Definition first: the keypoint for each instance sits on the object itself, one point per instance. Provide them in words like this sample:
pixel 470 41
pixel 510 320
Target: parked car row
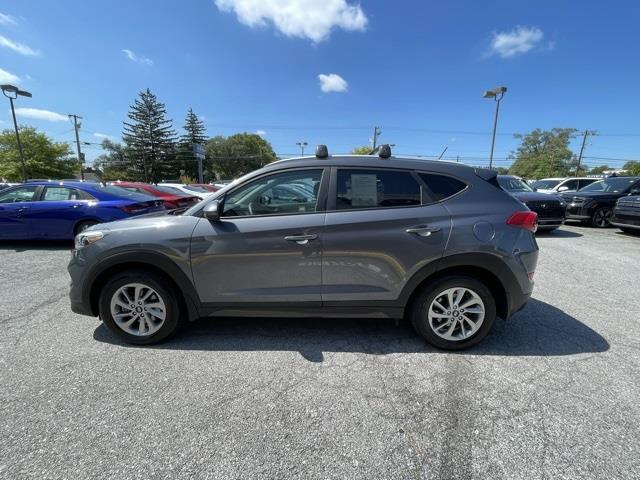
pixel 61 209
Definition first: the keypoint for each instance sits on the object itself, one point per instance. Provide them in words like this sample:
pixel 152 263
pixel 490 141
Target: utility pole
pixel 445 149
pixel 76 126
pixel 585 134
pixel 376 133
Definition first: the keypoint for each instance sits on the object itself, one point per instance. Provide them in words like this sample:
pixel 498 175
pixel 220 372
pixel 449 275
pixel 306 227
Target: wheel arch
pixel 484 267
pixel 154 263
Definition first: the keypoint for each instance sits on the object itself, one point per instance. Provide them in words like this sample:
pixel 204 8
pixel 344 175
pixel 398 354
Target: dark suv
pixel 594 203
pixel 344 236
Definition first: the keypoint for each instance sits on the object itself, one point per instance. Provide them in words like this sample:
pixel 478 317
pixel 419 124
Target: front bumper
pixel 626 218
pixel 578 212
pixel 79 296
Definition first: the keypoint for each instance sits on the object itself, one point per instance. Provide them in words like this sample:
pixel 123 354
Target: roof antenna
pixel 384 151
pixel 322 151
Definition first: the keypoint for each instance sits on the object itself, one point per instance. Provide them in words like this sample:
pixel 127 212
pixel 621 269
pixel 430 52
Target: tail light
pixel 526 220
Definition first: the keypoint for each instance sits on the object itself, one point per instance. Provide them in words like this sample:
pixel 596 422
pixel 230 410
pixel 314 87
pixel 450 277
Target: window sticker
pixel 364 190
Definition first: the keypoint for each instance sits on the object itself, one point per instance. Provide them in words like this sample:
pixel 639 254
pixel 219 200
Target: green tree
pixel 599 169
pixel 632 167
pixel 544 153
pixel 150 139
pixel 116 163
pixel 231 157
pixel 362 150
pixel 43 157
pixel 194 132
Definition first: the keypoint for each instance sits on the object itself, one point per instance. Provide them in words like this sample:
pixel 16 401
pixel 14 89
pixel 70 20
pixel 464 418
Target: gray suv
pixel 368 236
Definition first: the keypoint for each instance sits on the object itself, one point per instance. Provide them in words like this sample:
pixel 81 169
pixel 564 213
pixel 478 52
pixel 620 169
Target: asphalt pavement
pixel 552 393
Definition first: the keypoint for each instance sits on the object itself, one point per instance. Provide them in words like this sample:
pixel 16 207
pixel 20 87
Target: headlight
pixel 87 238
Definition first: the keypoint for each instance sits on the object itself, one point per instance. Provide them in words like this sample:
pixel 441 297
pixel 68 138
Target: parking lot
pixel 553 393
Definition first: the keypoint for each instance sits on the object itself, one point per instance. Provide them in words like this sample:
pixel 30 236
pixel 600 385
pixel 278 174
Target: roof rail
pixel 322 151
pixel 384 151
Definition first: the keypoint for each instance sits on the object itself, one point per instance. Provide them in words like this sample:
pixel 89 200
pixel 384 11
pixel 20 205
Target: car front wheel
pixel 454 313
pixel 140 308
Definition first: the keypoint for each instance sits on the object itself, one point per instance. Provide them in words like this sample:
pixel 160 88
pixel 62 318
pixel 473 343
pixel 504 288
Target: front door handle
pixel 301 239
pixel 76 205
pixel 423 230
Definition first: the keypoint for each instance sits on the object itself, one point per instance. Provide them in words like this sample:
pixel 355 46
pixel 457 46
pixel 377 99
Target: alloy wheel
pixel 456 314
pixel 602 217
pixel 138 309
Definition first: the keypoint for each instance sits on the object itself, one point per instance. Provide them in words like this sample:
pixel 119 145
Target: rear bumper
pixel 550 223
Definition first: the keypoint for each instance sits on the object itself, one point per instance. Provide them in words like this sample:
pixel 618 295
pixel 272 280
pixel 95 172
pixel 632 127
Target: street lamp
pixel 12 93
pixel 497 94
pixel 302 145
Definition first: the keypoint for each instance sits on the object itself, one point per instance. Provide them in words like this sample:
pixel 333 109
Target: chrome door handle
pixel 77 205
pixel 301 239
pixel 423 230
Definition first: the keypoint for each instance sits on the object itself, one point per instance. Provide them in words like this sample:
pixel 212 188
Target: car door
pixel 15 204
pixel 267 246
pixel 57 211
pixel 381 228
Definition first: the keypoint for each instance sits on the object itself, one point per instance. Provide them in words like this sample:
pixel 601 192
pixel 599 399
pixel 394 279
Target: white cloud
pixel 332 83
pixel 6 19
pixel 103 136
pixel 262 133
pixel 516 42
pixel 312 19
pixel 40 114
pixel 131 55
pixel 17 47
pixel 8 77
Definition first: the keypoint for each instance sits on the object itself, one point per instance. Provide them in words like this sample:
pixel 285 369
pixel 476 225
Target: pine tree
pixel 150 138
pixel 194 132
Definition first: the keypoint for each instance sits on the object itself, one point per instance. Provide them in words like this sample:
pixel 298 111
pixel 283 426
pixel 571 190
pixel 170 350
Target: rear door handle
pixel 301 239
pixel 423 230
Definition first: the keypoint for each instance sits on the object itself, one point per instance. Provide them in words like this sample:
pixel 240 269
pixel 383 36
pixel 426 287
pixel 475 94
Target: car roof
pixel 67 183
pixel 374 161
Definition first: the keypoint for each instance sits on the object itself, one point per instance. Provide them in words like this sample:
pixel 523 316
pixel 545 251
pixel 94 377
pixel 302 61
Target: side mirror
pixel 563 189
pixel 212 211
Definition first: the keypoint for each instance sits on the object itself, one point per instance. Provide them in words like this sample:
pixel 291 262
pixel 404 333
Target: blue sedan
pixel 59 210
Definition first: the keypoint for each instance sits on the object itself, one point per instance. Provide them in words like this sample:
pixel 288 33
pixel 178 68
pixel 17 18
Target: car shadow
pixel 538 330
pixel 560 233
pixel 35 245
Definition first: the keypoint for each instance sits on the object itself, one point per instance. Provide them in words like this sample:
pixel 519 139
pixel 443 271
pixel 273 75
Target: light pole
pixel 302 145
pixel 12 93
pixel 497 94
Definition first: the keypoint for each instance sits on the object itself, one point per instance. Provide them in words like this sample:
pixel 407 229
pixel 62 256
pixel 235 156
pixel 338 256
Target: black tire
pixel 82 226
pixel 173 320
pixel 601 218
pixel 420 307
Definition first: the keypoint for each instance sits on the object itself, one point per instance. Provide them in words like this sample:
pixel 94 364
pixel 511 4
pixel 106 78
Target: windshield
pixel 611 185
pixel 196 189
pixel 513 184
pixel 546 184
pixel 172 190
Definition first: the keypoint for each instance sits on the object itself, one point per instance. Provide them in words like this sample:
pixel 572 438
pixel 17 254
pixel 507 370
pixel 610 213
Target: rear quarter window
pixel 440 187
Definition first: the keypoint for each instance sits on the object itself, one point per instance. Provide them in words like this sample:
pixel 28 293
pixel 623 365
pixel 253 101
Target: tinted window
pixel 168 189
pixel 611 185
pixel 376 189
pixel 277 194
pixel 546 184
pixel 22 194
pixel 441 186
pixel 570 185
pixel 119 192
pixel 57 194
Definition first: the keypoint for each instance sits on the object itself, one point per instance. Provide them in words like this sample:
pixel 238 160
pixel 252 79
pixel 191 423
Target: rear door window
pixel 363 188
pixel 440 187
pixel 58 194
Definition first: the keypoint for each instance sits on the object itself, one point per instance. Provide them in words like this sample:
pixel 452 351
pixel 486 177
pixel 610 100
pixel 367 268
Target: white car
pixel 181 189
pixel 561 185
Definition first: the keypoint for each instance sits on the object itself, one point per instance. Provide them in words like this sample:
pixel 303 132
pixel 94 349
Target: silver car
pixel 370 236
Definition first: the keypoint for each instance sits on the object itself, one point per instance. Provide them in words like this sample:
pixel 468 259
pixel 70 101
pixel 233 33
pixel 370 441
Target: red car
pixel 171 201
pixel 206 186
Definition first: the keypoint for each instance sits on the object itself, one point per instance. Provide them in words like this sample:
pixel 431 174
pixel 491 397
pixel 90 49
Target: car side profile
pixel 329 236
pixel 59 210
pixel 563 184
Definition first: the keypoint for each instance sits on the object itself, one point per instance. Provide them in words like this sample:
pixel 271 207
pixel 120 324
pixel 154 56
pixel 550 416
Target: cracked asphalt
pixel 553 393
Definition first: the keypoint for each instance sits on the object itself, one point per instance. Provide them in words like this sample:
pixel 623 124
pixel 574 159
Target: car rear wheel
pixel 601 218
pixel 82 226
pixel 139 307
pixel 454 313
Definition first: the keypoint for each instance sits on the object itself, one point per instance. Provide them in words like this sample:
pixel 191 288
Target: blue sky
pixel 415 68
